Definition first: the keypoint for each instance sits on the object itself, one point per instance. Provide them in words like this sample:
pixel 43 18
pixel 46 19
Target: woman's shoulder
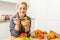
pixel 14 16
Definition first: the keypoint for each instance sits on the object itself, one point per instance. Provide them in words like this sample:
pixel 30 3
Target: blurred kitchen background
pixel 45 15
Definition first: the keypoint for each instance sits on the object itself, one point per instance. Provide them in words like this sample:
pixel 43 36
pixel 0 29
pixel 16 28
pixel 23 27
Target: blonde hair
pixel 25 3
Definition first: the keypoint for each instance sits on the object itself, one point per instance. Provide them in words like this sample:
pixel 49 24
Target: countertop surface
pixel 4 30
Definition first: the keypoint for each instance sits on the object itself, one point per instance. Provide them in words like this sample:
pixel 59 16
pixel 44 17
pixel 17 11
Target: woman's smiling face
pixel 21 9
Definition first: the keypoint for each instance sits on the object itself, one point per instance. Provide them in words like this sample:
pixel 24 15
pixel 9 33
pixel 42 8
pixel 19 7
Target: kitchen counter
pixel 4 30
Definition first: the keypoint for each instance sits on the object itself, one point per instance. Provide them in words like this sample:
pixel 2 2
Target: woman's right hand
pixel 17 23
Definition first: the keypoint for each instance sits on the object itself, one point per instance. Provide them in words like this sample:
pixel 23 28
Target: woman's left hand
pixel 26 25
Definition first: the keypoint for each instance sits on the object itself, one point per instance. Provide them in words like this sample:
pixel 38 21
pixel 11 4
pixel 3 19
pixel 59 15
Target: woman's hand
pixel 17 23
pixel 26 25
pixel 17 27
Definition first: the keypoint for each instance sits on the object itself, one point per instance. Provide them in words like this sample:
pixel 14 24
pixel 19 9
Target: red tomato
pixel 23 35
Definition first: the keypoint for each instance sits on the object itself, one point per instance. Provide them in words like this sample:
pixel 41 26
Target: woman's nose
pixel 22 10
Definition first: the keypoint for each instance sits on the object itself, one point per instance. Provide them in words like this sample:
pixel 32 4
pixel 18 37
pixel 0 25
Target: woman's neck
pixel 21 17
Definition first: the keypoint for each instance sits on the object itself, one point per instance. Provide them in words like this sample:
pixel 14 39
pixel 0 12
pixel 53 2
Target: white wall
pixel 7 8
pixel 47 14
pixel 15 1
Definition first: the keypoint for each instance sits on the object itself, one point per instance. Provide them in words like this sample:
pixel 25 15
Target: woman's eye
pixel 20 8
pixel 24 8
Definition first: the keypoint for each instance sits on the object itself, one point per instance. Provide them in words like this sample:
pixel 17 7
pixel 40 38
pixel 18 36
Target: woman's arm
pixel 14 32
pixel 28 32
pixel 30 24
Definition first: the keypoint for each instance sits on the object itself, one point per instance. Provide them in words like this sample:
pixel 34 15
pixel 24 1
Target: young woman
pixel 17 23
